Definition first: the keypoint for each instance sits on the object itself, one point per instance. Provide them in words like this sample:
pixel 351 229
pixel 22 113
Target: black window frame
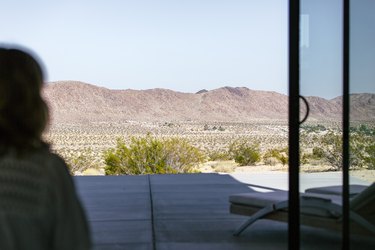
pixel 294 125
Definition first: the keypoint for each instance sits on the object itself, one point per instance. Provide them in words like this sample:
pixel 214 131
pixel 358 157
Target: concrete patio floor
pixel 191 211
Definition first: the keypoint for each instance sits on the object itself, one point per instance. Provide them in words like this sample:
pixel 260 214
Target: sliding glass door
pixel 332 74
pixel 321 60
pixel 362 108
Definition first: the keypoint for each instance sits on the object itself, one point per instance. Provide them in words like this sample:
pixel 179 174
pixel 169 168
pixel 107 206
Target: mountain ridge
pixel 78 102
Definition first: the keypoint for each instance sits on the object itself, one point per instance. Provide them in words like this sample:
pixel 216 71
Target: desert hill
pixel 77 102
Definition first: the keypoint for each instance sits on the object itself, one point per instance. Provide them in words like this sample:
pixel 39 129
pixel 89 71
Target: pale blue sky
pixel 184 45
pixel 321 61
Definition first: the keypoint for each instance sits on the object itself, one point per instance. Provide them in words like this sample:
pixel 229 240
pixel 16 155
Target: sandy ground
pixel 367 175
pixel 231 167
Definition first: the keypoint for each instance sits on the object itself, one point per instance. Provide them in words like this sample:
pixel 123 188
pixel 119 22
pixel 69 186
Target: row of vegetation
pixel 152 155
pixel 327 146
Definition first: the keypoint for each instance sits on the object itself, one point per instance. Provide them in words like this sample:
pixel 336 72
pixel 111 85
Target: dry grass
pixel 218 167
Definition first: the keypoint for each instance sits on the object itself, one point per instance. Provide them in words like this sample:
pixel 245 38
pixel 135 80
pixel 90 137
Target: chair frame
pixel 278 211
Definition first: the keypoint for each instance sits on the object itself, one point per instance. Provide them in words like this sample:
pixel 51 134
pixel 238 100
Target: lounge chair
pixel 317 210
pixel 337 190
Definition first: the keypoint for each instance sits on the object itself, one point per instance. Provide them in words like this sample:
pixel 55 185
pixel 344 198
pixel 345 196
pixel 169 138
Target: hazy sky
pixel 184 45
pixel 321 52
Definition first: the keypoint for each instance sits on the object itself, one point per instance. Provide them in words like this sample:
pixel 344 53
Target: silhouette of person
pixel 39 207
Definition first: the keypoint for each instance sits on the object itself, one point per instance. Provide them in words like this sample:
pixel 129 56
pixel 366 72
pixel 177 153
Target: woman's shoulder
pixel 39 155
pixel 48 159
pixel 53 167
pixel 41 163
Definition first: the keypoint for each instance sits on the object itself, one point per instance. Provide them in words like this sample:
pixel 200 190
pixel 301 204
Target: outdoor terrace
pixel 191 211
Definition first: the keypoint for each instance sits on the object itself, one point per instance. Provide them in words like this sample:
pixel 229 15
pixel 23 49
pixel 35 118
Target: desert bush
pixel 223 168
pixel 305 158
pixel 273 156
pixel 284 156
pixel 79 161
pixel 361 148
pixel 313 128
pixel 221 128
pixel 149 155
pixel 219 155
pixel 244 153
pixel 370 157
pixel 317 153
pixel 363 130
pixel 269 160
pixel 270 157
pixel 181 156
pixel 331 144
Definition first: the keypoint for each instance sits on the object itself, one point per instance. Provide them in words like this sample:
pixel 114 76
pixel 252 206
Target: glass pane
pixel 362 112
pixel 321 133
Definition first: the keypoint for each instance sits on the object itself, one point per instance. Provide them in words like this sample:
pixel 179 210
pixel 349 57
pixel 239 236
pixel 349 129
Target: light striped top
pixel 39 208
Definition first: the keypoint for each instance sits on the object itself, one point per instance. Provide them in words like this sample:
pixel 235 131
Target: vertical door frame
pixel 345 124
pixel 293 124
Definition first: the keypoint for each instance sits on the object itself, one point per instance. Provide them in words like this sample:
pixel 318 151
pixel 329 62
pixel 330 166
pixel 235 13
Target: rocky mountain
pixel 77 102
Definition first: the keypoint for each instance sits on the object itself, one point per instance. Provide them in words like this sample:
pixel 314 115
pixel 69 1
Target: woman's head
pixel 23 112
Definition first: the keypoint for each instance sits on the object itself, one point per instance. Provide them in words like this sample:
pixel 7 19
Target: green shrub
pixel 181 156
pixel 149 155
pixel 304 158
pixel 331 144
pixel 219 155
pixel 244 153
pixel 317 153
pixel 313 128
pixel 79 161
pixel 370 157
pixel 272 161
pixel 272 156
pixel 361 148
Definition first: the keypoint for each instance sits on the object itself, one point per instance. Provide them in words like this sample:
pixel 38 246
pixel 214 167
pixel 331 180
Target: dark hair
pixel 23 112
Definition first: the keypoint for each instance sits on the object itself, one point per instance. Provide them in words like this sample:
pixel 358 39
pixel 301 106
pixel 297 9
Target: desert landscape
pixel 72 140
pixel 87 120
